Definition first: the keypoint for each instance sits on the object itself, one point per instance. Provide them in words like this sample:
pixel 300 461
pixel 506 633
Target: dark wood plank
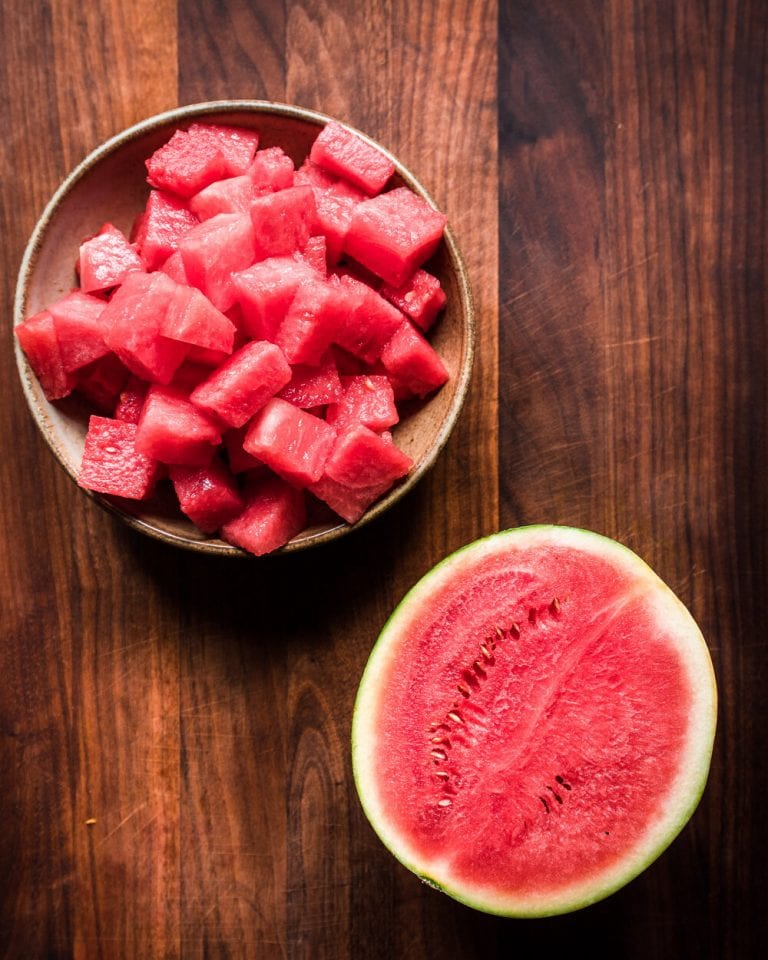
pixel 634 183
pixel 88 701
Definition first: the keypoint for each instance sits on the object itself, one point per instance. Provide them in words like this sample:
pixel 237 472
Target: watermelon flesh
pixel 216 331
pixel 535 723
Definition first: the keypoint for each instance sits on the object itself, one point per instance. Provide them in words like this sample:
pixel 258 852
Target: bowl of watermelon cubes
pixel 243 327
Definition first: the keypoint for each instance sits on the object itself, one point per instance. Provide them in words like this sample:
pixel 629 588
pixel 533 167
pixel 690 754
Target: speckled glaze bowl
pixel 110 185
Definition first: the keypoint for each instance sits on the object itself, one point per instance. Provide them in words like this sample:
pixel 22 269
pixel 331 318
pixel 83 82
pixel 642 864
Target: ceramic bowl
pixel 110 185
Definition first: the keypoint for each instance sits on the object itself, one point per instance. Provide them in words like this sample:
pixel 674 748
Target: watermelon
pixel 535 723
pixel 214 338
pixel 111 463
pixel 274 513
pixel 339 150
pixel 393 234
pixel 165 220
pixel 243 383
pixel 37 338
pixel 271 170
pixel 106 259
pixel 78 321
pixel 193 158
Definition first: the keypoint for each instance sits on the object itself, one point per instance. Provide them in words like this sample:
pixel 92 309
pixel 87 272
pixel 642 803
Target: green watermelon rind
pixel 700 748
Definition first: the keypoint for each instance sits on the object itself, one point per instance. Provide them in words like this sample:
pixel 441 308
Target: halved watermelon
pixel 535 724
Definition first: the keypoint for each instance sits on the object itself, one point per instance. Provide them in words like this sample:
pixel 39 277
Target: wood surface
pixel 175 777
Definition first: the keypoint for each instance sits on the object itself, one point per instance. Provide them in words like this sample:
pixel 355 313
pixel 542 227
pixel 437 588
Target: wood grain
pixel 175 778
pixel 634 175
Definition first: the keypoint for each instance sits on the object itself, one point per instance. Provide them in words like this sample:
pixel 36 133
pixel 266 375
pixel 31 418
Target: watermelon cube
pixel 207 495
pixel 283 222
pixel 345 153
pixel 101 382
pixel 111 463
pixel 272 169
pixel 413 366
pixel 37 338
pixel 193 158
pixel 78 319
pixel 293 443
pixel 361 458
pixel 369 400
pixel 174 268
pixel 313 321
pixel 243 383
pixel 236 143
pixel 193 319
pixel 131 399
pixel 394 233
pixel 166 219
pixel 350 503
pixel 315 253
pixel 313 386
pixel 421 298
pixel 266 290
pixel 174 430
pixel 214 250
pixel 133 320
pixel 106 259
pixel 233 195
pixel 274 513
pixel 335 200
pixel 369 320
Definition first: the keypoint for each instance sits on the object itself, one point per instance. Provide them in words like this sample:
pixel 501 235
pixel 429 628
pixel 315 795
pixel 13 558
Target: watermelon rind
pixel 682 794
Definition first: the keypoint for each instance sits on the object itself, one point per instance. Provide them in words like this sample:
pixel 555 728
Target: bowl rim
pixel 180 115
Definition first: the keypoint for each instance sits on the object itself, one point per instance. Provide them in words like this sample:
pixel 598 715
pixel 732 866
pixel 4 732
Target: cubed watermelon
pixel 266 290
pixel 193 319
pixel 283 222
pixel 367 399
pixel 272 169
pixel 293 443
pixel 78 319
pixel 274 513
pixel 340 150
pixel 412 364
pixel 350 503
pixel 131 399
pixel 315 253
pixel 314 320
pixel 313 386
pixel 193 158
pixel 174 430
pixel 394 233
pixel 335 199
pixel 243 383
pixel 166 219
pixel 369 321
pixel 362 458
pixel 106 259
pixel 111 463
pixel 174 268
pixel 421 298
pixel 233 195
pixel 132 321
pixel 207 495
pixel 215 249
pixel 37 338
